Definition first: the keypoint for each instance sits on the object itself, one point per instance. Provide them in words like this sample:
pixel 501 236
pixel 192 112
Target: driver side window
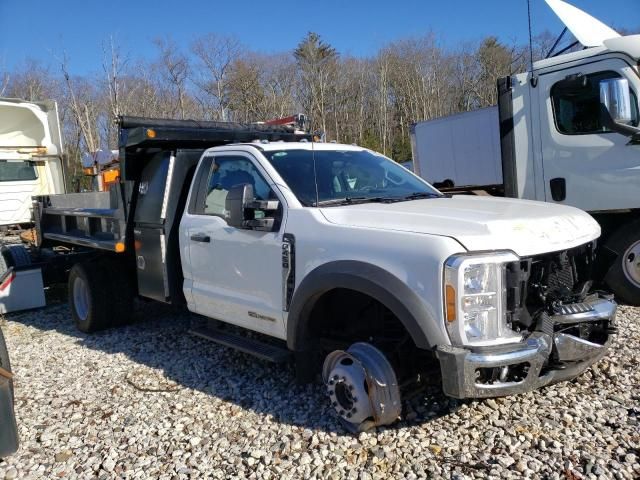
pixel 577 110
pixel 227 172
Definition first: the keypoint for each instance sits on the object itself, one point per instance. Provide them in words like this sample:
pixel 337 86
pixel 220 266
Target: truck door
pixel 234 274
pixel 584 164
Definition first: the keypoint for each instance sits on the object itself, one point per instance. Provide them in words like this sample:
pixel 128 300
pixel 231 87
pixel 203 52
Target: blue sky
pixel 44 29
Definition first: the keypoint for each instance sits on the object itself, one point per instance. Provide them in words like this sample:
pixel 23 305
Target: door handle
pixel 558 187
pixel 201 237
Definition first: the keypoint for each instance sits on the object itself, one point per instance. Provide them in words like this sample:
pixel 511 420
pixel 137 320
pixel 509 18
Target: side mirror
pixel 615 96
pixel 242 205
pixel 238 198
pixel 615 108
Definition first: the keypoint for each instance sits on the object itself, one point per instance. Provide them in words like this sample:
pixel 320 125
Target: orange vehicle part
pixel 110 177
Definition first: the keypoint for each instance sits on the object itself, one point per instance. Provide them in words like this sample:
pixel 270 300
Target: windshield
pixel 346 176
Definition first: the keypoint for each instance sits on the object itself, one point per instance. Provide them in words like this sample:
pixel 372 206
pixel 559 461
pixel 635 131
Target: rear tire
pixel 623 276
pixel 88 297
pixel 100 295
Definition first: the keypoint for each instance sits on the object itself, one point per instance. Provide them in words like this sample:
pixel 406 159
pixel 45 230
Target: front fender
pixel 368 279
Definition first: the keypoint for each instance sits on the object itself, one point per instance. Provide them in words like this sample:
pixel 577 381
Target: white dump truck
pixel 565 132
pixel 333 256
pixel 30 157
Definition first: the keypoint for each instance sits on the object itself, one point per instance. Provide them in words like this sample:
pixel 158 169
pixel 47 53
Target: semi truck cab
pixel 30 157
pixel 565 132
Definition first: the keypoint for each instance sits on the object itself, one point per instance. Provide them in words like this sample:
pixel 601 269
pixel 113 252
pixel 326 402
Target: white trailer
pixel 30 157
pixel 448 158
pixel 565 132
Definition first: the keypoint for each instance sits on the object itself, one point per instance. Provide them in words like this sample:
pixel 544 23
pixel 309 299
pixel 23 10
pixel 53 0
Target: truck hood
pixel 589 31
pixel 478 223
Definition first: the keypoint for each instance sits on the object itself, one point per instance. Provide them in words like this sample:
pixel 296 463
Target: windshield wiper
pixel 418 195
pixel 354 201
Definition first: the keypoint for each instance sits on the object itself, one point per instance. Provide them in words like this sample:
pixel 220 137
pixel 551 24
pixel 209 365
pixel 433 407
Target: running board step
pixel 262 350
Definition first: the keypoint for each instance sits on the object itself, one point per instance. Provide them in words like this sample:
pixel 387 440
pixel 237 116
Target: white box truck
pixel 565 132
pixel 30 157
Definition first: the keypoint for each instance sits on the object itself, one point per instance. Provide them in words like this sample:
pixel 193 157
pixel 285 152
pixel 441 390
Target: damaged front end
pixel 555 329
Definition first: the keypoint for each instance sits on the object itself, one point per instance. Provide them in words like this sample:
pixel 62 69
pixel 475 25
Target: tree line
pixel 369 101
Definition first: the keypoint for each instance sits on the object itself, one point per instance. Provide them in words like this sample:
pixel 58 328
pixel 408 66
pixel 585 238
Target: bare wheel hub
pixel 362 386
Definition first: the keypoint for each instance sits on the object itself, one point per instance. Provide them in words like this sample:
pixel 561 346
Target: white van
pixel 30 156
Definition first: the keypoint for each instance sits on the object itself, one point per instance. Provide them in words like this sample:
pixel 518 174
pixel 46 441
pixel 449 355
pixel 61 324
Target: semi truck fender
pixel 367 279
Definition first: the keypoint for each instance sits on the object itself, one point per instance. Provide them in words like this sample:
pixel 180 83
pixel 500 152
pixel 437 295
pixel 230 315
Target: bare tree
pixel 317 63
pixel 216 55
pixel 174 67
pixel 33 81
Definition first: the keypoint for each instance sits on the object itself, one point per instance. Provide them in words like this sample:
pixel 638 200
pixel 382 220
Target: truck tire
pixel 623 277
pixel 89 297
pixel 100 294
pixel 13 256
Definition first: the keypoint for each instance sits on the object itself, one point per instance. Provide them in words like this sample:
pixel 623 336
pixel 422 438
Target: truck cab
pixel 347 257
pixel 580 161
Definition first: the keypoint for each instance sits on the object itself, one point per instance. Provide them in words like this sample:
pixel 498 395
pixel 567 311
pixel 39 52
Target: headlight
pixel 475 299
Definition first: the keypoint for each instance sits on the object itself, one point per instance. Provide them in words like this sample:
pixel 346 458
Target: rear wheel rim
pixel 631 263
pixel 81 298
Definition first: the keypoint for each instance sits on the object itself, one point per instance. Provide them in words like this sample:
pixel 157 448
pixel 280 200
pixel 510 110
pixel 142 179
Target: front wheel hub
pixel 362 386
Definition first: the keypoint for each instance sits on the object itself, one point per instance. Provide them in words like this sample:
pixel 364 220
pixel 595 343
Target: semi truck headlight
pixel 475 299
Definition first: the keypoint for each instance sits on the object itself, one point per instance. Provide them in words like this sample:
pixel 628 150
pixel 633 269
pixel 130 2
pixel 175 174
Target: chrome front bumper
pixel 544 357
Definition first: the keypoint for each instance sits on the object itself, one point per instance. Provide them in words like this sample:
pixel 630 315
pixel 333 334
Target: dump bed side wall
pixel 463 148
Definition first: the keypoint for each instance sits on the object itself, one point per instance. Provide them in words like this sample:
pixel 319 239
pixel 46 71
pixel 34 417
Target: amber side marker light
pixel 119 247
pixel 450 300
pixel 151 133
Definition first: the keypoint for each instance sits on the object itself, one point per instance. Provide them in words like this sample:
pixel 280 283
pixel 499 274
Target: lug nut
pixel 334 404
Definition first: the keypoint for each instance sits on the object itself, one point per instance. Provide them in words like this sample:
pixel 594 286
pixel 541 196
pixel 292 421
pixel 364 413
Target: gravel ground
pixel 151 401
